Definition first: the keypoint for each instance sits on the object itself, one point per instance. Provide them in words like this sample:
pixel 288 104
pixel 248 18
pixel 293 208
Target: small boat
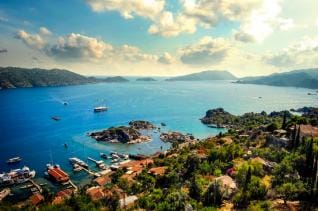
pixel 56 118
pixel 103 155
pixel 14 160
pixel 79 162
pixel 100 109
pixel 76 168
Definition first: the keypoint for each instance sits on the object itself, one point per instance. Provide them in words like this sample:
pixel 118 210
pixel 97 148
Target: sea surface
pixel 27 130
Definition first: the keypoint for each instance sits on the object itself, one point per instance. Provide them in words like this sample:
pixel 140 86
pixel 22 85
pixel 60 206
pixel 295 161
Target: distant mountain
pixel 306 78
pixel 115 79
pixel 15 77
pixel 146 79
pixel 205 76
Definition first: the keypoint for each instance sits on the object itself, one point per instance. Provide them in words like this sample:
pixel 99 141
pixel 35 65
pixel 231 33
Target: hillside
pixel 205 76
pixel 306 78
pixel 15 77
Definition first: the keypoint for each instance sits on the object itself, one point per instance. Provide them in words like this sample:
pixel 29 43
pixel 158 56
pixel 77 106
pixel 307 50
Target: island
pixel 16 77
pixel 114 79
pixel 305 78
pixel 208 75
pixel 146 79
pixel 124 134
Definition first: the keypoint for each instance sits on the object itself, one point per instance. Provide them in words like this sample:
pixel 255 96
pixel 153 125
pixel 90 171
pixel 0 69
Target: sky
pixel 160 37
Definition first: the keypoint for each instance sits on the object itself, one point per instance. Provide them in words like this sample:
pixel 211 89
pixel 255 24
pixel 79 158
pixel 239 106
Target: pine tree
pixel 297 139
pixel 284 120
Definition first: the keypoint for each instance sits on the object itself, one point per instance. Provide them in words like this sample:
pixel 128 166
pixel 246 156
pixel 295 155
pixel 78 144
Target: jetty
pixel 95 174
pixel 99 163
pixel 36 185
pixel 73 185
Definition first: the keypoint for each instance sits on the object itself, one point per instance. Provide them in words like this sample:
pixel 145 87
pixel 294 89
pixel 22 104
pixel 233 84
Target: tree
pixel 213 195
pixel 284 120
pixel 195 190
pixel 290 191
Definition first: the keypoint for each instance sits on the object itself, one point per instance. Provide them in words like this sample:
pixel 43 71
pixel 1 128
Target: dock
pixel 91 172
pixel 36 185
pixel 97 162
pixel 74 186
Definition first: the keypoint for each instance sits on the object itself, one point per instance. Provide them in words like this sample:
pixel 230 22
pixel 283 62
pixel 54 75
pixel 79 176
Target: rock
pixel 141 125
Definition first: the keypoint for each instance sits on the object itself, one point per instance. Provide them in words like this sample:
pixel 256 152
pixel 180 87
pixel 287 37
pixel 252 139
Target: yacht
pixel 100 109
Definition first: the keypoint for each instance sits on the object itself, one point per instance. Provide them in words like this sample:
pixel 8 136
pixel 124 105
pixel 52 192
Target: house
pixel 62 195
pixel 103 180
pixel 36 199
pixel 95 193
pixel 158 171
pixel 308 131
pixel 127 201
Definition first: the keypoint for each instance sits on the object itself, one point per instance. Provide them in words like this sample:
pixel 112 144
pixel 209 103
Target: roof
pixel 127 200
pixel 158 170
pixel 103 180
pixel 95 193
pixel 36 199
pixel 308 130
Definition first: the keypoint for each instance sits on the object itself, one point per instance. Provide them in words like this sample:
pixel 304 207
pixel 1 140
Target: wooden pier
pixel 74 186
pixel 36 185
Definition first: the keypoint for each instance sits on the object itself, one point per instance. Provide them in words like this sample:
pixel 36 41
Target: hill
pixel 15 77
pixel 305 78
pixel 205 76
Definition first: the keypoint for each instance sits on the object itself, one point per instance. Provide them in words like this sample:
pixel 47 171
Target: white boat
pixel 79 162
pixel 17 176
pixel 100 109
pixel 14 160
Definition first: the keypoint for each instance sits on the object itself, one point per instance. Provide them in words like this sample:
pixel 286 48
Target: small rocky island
pixel 124 134
pixel 146 79
pixel 176 137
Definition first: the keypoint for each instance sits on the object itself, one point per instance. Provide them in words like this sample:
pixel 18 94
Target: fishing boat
pixel 103 155
pixel 100 109
pixel 14 160
pixel 79 162
pixel 56 173
pixel 56 118
pixel 16 176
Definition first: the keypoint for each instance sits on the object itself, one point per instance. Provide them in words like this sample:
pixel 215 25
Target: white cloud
pixel 166 58
pixel 207 51
pixel 168 26
pixel 262 22
pixel 31 40
pixel 144 8
pixel 44 31
pixel 132 54
pixel 301 54
pixel 75 46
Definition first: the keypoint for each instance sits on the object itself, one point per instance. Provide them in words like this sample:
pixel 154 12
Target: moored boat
pixel 14 160
pixel 16 176
pixel 100 109
pixel 57 174
pixel 79 162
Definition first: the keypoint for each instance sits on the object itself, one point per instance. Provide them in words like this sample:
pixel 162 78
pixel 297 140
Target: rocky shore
pixel 175 137
pixel 124 134
pixel 142 125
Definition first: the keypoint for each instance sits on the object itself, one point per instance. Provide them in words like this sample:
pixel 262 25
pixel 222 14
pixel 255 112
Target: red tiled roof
pixel 36 199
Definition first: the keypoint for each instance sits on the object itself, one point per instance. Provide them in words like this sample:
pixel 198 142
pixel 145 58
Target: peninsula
pixel 208 75
pixel 16 77
pixel 305 78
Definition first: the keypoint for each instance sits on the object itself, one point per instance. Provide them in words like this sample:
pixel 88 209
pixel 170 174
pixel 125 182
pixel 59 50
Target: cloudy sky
pixel 160 37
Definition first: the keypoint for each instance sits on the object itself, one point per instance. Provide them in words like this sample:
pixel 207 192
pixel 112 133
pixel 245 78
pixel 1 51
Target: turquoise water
pixel 28 131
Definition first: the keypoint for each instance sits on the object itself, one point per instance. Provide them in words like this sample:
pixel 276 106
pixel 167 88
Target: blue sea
pixel 27 129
